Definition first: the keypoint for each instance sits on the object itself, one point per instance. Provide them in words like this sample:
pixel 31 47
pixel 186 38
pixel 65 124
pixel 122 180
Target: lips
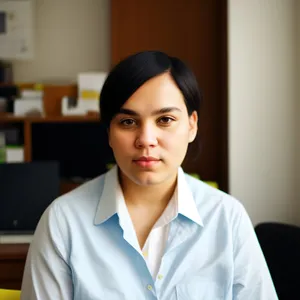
pixel 146 161
pixel 147 158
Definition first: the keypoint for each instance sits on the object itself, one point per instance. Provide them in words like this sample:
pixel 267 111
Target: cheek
pixel 175 142
pixel 119 141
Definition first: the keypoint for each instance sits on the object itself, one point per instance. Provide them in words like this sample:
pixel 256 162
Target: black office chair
pixel 280 244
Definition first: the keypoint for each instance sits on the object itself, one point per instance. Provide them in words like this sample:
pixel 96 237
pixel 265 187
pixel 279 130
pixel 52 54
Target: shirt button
pixel 160 277
pixel 149 287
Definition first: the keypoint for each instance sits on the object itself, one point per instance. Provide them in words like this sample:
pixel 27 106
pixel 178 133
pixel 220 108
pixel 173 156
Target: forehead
pixel 158 92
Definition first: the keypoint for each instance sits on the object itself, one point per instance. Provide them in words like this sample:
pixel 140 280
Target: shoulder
pixel 211 201
pixel 70 214
pixel 78 202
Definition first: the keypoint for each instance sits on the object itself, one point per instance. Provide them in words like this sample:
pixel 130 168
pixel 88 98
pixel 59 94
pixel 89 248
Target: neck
pixel 157 195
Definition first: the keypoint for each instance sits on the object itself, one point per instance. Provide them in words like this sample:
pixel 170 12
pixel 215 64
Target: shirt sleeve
pixel 47 274
pixel 252 279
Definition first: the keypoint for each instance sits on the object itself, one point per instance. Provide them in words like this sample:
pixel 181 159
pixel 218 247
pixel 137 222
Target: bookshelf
pixel 12 256
pixel 10 118
pixel 27 122
pixel 52 115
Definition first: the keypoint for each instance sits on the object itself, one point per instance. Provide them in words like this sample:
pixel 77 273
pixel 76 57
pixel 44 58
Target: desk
pixel 12 262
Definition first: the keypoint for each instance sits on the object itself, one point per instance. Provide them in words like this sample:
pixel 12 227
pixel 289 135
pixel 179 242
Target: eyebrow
pixel 164 110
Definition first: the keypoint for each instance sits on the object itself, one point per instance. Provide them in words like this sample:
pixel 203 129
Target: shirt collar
pixel 112 199
pixel 108 204
pixel 186 202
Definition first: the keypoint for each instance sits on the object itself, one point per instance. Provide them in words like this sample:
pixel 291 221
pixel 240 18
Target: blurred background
pixel 245 55
pixel 263 44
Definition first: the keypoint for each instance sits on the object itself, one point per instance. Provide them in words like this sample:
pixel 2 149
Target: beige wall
pixel 71 36
pixel 262 105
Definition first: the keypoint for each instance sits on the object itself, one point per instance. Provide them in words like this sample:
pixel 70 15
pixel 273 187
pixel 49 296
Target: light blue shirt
pixel 82 250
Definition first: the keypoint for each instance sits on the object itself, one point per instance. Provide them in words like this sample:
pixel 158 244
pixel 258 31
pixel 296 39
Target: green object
pixel 109 166
pixel 195 175
pixel 2 148
pixel 213 184
pixel 14 146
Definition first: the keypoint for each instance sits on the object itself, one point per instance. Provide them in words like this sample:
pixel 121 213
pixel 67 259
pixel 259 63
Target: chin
pixel 149 177
pixel 146 179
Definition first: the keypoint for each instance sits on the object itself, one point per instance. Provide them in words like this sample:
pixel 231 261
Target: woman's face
pixel 151 133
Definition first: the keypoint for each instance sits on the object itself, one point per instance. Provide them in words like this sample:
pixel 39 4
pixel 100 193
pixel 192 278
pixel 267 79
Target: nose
pixel 146 137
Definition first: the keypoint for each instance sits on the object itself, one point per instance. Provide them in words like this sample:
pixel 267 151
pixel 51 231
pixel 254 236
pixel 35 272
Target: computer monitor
pixel 26 190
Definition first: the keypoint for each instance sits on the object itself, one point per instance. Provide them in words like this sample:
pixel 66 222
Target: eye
pixel 166 120
pixel 127 122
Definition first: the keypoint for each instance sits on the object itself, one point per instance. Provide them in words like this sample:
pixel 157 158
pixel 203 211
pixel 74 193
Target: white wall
pixel 72 36
pixel 262 106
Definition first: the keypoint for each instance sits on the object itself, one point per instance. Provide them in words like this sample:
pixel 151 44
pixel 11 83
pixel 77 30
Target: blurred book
pixel 14 154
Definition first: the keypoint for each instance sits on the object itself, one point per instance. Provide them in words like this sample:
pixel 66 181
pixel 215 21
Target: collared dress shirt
pixel 154 247
pixel 85 248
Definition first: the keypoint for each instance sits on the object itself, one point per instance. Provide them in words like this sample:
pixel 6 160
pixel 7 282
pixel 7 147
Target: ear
pixel 193 124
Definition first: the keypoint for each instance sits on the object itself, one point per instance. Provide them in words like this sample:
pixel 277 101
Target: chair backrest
pixel 280 244
pixel 9 294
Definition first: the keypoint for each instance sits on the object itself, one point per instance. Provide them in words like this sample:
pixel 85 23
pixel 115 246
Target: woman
pixel 145 229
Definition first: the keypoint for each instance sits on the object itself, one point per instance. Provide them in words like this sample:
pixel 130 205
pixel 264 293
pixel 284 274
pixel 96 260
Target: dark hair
pixel 132 72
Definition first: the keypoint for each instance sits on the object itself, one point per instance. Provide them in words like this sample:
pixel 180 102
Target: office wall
pixel 262 105
pixel 72 36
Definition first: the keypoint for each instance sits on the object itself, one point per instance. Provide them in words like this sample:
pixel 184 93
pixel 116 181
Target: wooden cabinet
pixel 195 31
pixel 12 262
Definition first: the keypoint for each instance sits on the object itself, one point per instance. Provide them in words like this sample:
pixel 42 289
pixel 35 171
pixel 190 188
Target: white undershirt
pixel 181 202
pixel 155 245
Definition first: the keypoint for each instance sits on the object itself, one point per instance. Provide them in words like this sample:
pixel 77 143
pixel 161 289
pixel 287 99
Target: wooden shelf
pixel 9 118
pixel 13 251
pixel 12 263
pixel 6 118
